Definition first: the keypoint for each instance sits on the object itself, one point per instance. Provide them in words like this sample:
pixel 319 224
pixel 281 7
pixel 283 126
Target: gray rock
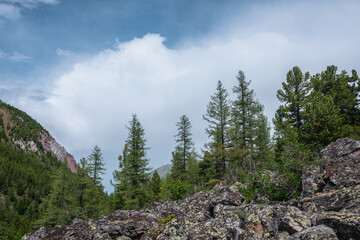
pixel 294 221
pixel 341 168
pixel 320 232
pixel 346 224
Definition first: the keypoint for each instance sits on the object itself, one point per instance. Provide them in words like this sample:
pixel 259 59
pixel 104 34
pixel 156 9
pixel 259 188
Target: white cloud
pixel 19 57
pixel 92 103
pixel 62 52
pixel 15 57
pixel 11 9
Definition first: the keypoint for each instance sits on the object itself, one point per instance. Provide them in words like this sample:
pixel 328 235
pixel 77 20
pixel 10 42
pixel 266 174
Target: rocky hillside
pixel 20 129
pixel 329 208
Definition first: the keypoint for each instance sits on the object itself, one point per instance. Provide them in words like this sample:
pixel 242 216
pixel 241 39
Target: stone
pixel 334 200
pixel 341 168
pixel 345 224
pixel 294 221
pixel 312 181
pixel 320 232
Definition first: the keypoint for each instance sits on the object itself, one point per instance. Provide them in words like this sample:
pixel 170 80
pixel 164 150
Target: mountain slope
pixel 29 158
pixel 19 128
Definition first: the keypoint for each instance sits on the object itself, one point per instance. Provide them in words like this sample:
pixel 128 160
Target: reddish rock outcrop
pixel 52 146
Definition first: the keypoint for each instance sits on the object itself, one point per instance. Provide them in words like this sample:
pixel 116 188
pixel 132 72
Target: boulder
pixel 341 168
pixel 128 223
pixel 319 232
pixel 334 200
pixel 345 224
pixel 312 181
pixel 294 221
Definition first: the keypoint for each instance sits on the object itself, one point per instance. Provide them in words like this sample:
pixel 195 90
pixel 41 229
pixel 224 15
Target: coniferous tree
pixel 293 94
pixel 249 130
pixel 241 121
pixel 184 150
pixel 133 175
pixel 156 185
pixel 60 204
pixel 96 165
pixel 218 116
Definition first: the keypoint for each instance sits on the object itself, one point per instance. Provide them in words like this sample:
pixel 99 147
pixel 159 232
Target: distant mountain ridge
pixel 20 129
pixel 164 170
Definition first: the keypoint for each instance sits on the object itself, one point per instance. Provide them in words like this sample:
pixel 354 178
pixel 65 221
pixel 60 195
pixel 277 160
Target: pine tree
pixel 323 122
pixel 184 149
pixel 293 94
pixel 133 174
pixel 344 90
pixel 218 116
pixel 96 165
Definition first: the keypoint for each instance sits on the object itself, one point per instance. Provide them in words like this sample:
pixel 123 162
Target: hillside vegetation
pixel 39 190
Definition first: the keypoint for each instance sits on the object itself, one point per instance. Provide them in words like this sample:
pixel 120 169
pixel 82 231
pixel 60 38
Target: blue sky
pixel 81 68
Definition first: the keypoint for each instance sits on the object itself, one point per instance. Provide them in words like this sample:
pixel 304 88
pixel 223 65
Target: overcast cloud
pixel 91 103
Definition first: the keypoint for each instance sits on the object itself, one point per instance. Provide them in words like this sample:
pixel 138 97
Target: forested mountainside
pixel 32 168
pixel 314 111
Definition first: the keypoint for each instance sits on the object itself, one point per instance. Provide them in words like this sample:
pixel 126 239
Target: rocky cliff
pixel 19 128
pixel 329 208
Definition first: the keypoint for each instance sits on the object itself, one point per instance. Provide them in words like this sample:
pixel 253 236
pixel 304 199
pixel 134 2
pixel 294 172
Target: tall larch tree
pixel 218 117
pixel 134 169
pixel 249 127
pixel 241 121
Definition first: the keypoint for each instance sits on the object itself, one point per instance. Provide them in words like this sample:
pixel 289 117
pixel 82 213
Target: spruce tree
pixel 184 149
pixel 218 116
pixel 130 180
pixel 96 165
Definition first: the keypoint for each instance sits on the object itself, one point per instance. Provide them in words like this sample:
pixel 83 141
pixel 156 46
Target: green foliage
pixel 318 111
pixel 25 178
pixel 168 219
pixel 24 127
pixel 156 185
pixel 249 130
pixel 218 117
pixel 131 181
pixel 184 150
pixel 96 165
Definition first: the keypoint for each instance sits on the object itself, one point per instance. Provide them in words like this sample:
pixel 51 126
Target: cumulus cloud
pixel 92 103
pixel 15 57
pixel 11 9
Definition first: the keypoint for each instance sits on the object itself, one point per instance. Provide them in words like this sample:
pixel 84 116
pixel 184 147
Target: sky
pixel 81 68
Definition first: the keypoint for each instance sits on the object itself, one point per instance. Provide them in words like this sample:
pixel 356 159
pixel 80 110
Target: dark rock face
pixel 329 208
pixel 342 163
